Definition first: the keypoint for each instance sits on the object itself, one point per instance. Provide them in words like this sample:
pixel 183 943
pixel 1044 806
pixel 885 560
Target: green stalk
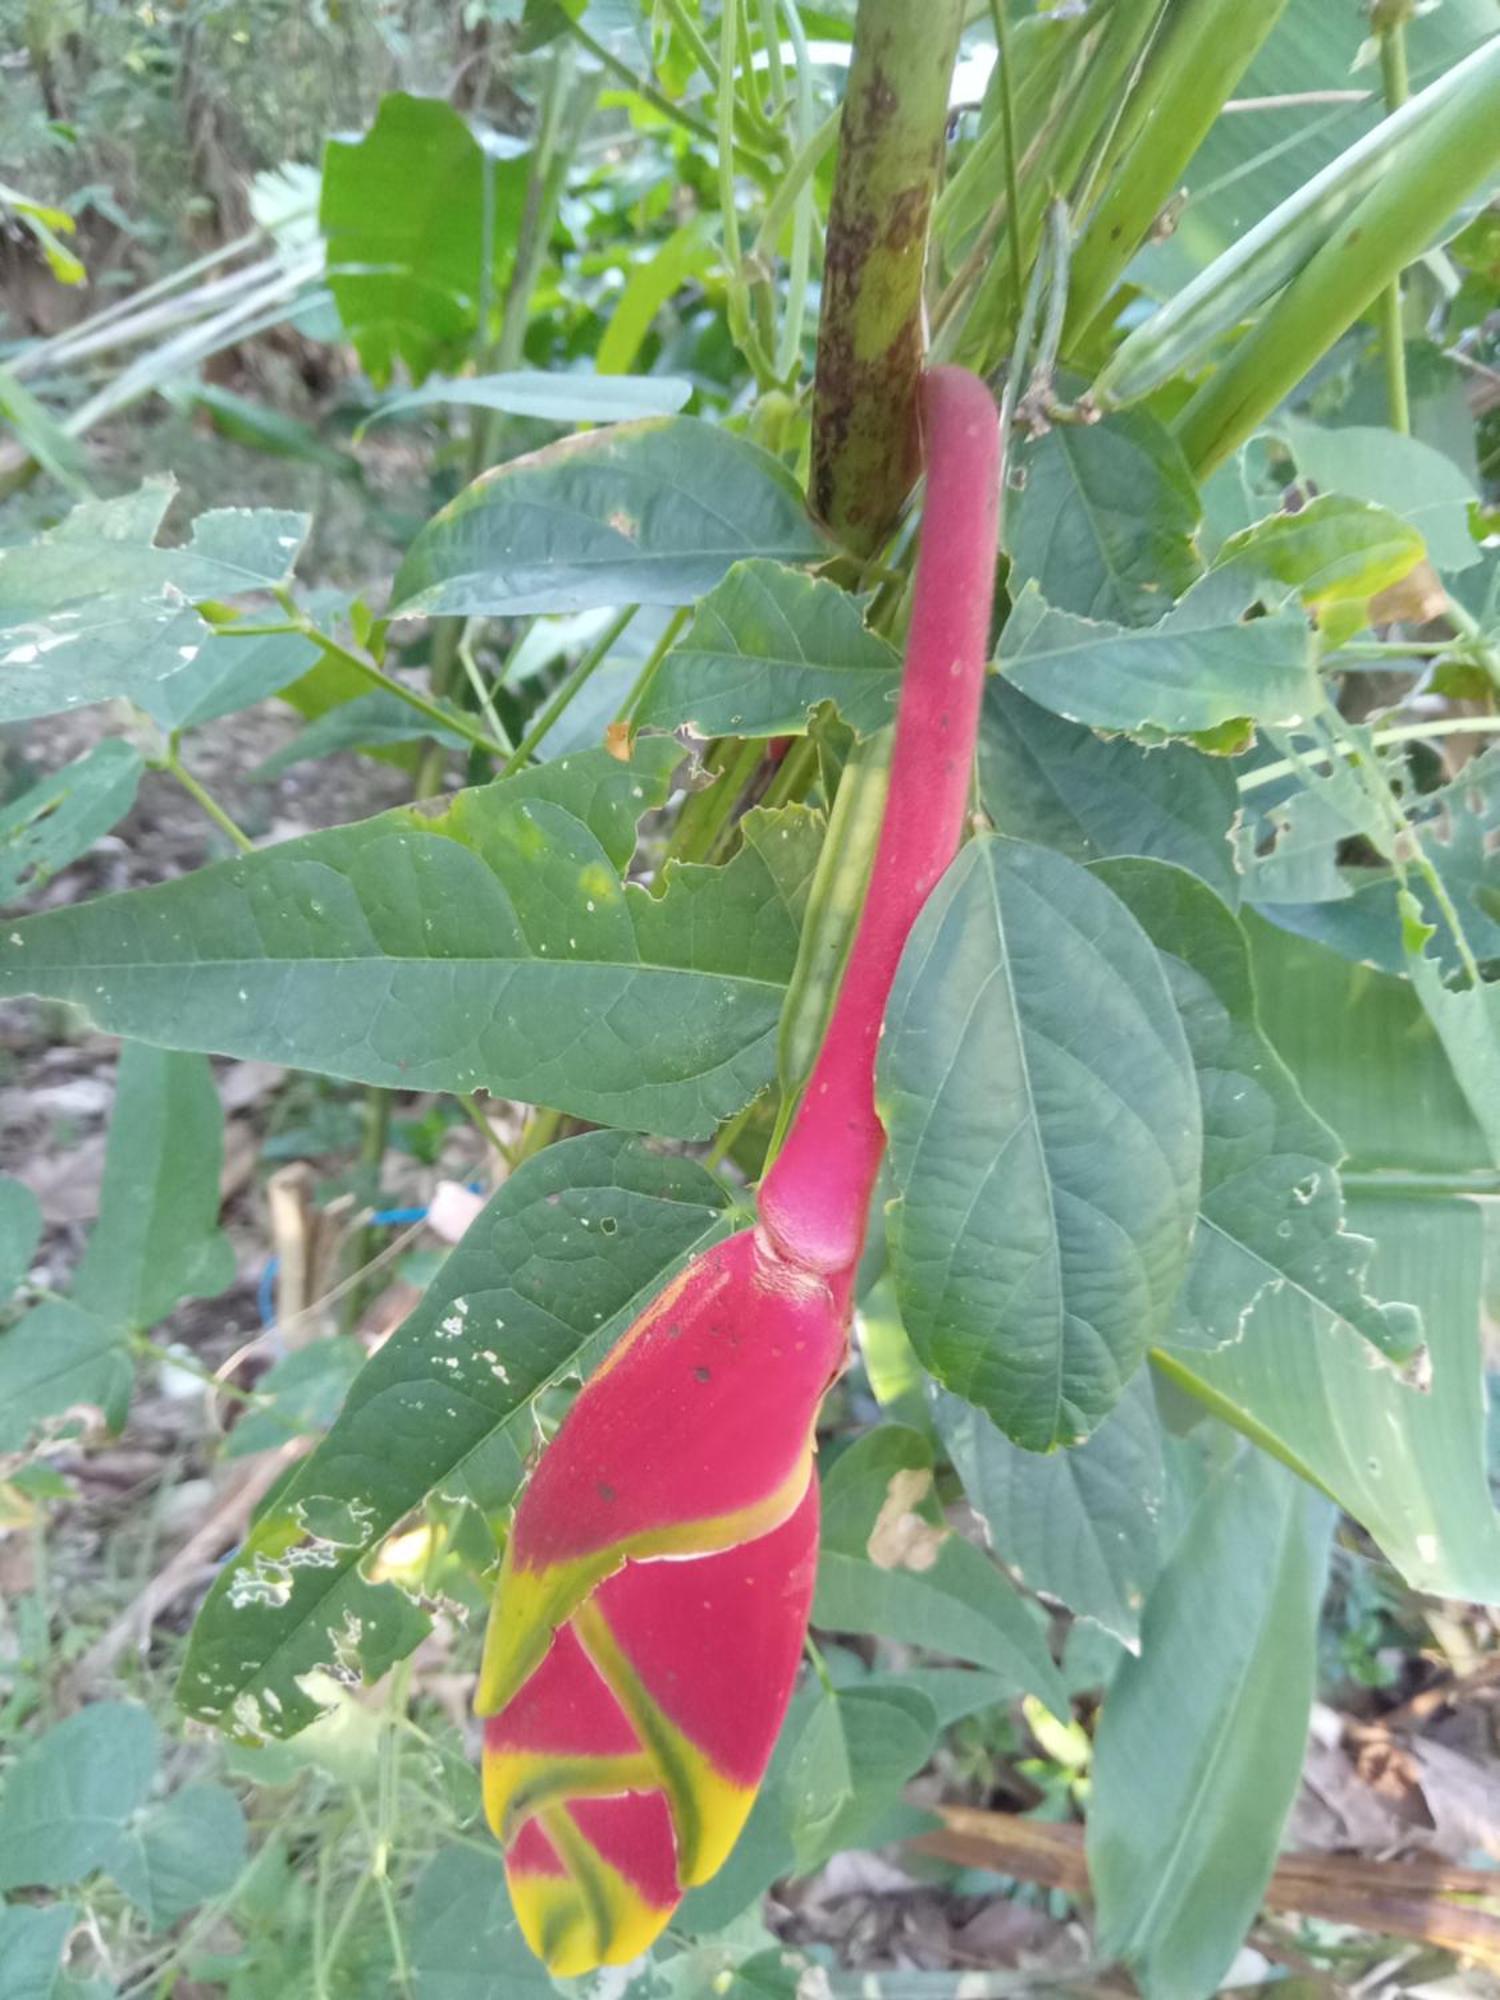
pixel 1203 49
pixel 1443 159
pixel 1236 285
pixel 585 670
pixel 1397 77
pixel 870 343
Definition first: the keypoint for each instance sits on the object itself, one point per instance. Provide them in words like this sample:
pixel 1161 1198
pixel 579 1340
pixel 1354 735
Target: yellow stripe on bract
pixel 530 1604
pixel 708 1810
pixel 589 1918
pixel 662 1303
pixel 518 1783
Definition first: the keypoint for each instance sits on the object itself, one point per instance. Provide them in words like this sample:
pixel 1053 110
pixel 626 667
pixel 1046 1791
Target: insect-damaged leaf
pixel 546 1278
pixel 487 945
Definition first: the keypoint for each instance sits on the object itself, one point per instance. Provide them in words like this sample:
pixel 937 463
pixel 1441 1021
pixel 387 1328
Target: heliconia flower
pixel 653 1600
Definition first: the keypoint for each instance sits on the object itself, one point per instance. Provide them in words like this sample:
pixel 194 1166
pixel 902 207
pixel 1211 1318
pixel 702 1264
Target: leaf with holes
pixel 60 818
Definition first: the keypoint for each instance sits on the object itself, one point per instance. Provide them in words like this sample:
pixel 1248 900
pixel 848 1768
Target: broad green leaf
pixel 566 397
pixel 370 721
pixel 58 1358
pixel 857 1749
pixel 20 1232
pixel 688 252
pixel 1401 473
pixel 889 1567
pixel 645 513
pixel 404 210
pixel 546 1278
pixel 157 1240
pixel 304 1391
pixel 764 648
pixel 464 1941
pixel 1045 1138
pixel 1081 1525
pixel 96 609
pixel 1093 797
pixel 1271 1212
pixel 181 1851
pixel 1408 1464
pixel 484 943
pixel 61 818
pixel 1334 551
pixel 1104 520
pixel 230 674
pixel 1467 1019
pixel 32 1937
pixel 1192 672
pixel 70 1793
pixel 1200 1744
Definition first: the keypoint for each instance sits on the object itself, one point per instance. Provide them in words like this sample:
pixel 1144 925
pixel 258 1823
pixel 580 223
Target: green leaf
pixel 403 209
pixel 545 1280
pixel 370 721
pixel 58 1358
pixel 70 1793
pixel 1271 1213
pixel 1081 1525
pixel 484 943
pixel 1194 671
pixel 1467 1019
pixel 1093 797
pixel 1332 551
pixel 856 1751
pixel 157 1240
pixel 690 251
pixel 62 817
pixel 1104 520
pixel 229 674
pixel 181 1852
pixel 567 397
pixel 765 647
pixel 20 1232
pixel 1045 1138
pixel 305 1390
pixel 32 1938
pixel 96 609
pixel 1402 474
pixel 891 1569
pixel 465 1943
pixel 645 513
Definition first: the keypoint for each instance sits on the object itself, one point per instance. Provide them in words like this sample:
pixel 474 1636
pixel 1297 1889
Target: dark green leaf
pixel 1081 1525
pixel 486 943
pixel 465 1943
pixel 1093 797
pixel 69 1794
pixel 157 1240
pixel 32 1938
pixel 1272 1206
pixel 95 609
pixel 62 817
pixel 1200 1745
pixel 58 1358
pixel 562 398
pixel 855 1752
pixel 1104 520
pixel 1045 1139
pixel 180 1852
pixel 1197 669
pixel 403 209
pixel 764 648
pixel 20 1232
pixel 544 1281
pixel 645 513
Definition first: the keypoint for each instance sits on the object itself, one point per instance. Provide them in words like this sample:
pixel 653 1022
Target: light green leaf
pixel 1081 1525
pixel 20 1232
pixel 1200 1744
pixel 96 609
pixel 1192 672
pixel 562 398
pixel 544 1281
pixel 645 513
pixel 928 1587
pixel 764 648
pixel 1381 466
pixel 465 1942
pixel 32 1937
pixel 182 1851
pixel 1271 1212
pixel 857 1749
pixel 58 1358
pixel 1092 797
pixel 688 252
pixel 229 674
pixel 60 818
pixel 404 212
pixel 70 1792
pixel 157 1240
pixel 1045 1138
pixel 484 943
pixel 1467 1019
pixel 1332 551
pixel 1104 520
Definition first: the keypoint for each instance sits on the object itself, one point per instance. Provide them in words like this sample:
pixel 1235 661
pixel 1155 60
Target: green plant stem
pixel 746 335
pixel 1406 732
pixel 475 677
pixel 450 719
pixel 652 667
pixel 1008 143
pixel 1058 245
pixel 795 774
pixel 372 1145
pixel 478 1118
pixel 172 764
pixel 752 162
pixel 1397 79
pixel 586 668
pixel 698 831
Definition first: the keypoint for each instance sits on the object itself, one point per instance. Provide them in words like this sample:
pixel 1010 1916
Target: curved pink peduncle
pixel 814 1200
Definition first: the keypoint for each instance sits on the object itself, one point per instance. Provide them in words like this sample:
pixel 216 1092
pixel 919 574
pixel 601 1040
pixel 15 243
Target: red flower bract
pixel 653 1601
